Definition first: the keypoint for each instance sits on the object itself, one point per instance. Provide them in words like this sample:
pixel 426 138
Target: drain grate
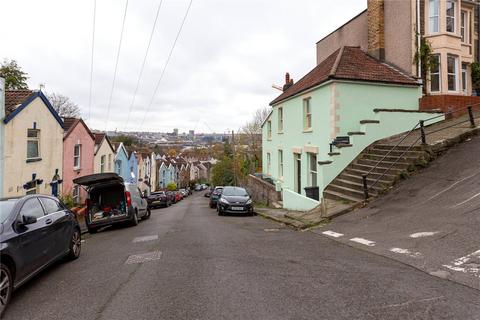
pixel 145 238
pixel 144 257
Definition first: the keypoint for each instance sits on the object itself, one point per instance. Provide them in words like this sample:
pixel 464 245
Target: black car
pixel 158 199
pixel 234 200
pixel 35 231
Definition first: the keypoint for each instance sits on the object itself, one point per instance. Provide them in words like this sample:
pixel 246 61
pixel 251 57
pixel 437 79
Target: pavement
pixel 186 262
pixel 430 221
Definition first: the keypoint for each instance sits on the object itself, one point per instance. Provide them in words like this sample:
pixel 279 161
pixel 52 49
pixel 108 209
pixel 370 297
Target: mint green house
pixel 349 94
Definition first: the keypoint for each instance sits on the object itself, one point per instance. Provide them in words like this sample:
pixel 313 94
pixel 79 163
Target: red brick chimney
pixel 288 82
pixel 376 29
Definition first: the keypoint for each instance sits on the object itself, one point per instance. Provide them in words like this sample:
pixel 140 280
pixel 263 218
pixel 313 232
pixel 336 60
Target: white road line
pixel 450 187
pixel 145 238
pixel 423 234
pixel 144 257
pixel 463 202
pixel 465 265
pixel 332 234
pixel 363 241
pixel 406 252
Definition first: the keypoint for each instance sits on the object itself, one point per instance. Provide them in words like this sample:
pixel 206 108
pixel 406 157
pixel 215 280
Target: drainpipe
pixel 2 134
pixel 419 63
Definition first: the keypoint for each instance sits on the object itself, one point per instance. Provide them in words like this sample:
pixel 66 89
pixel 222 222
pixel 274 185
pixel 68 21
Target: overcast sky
pixel 225 61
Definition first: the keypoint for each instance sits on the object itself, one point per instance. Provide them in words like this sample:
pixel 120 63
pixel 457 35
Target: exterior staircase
pixel 348 185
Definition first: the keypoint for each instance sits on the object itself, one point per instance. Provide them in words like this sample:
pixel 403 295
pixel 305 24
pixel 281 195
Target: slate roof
pixel 98 137
pixel 14 98
pixel 348 63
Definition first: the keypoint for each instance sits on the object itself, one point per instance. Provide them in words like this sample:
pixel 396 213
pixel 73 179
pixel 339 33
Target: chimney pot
pixel 288 82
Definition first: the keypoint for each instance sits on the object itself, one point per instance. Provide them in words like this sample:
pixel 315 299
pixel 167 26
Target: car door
pixel 143 201
pixel 61 225
pixel 34 240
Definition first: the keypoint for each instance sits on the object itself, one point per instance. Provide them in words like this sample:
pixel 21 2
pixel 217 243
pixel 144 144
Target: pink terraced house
pixel 78 156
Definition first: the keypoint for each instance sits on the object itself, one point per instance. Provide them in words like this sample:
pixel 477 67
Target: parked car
pixel 111 201
pixel 35 231
pixel 214 196
pixel 178 195
pixel 158 199
pixel 234 200
pixel 184 192
pixel 198 187
pixel 172 196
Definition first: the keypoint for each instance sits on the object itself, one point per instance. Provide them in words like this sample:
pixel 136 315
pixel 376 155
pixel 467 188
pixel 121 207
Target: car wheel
pixel 135 218
pixel 147 215
pixel 6 287
pixel 75 245
pixel 92 230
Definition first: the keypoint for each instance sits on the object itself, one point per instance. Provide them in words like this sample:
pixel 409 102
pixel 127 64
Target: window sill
pixel 33 160
pixel 307 130
pixel 77 169
pixel 280 132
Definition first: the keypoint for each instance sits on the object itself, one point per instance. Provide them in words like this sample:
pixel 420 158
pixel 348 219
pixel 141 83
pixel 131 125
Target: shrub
pixel 67 200
pixel 172 186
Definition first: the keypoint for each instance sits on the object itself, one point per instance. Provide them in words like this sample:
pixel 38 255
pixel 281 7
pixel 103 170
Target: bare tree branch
pixel 65 107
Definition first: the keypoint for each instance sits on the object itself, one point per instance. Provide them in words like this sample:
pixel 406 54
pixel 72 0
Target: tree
pixel 252 136
pixel 15 78
pixel 65 107
pixel 426 59
pixel 172 186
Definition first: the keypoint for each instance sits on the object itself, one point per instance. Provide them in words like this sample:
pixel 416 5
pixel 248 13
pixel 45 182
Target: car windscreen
pixel 6 207
pixel 239 192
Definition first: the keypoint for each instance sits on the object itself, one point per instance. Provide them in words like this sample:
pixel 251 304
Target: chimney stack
pixel 288 82
pixel 376 29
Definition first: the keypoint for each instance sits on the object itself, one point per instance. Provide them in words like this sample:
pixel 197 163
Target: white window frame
pixel 438 73
pixel 76 194
pixel 464 78
pixel 312 171
pixel 434 17
pixel 36 140
pixel 280 119
pixel 77 157
pixel 464 23
pixel 447 17
pixel 455 73
pixel 280 164
pixel 102 163
pixel 307 115
pixel 269 129
pixel 269 163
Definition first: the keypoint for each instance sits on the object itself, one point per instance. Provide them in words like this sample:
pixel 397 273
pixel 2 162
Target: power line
pixel 166 64
pixel 116 65
pixel 91 63
pixel 143 64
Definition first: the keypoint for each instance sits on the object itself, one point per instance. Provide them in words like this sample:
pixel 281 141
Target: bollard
pixel 470 115
pixel 422 132
pixel 365 186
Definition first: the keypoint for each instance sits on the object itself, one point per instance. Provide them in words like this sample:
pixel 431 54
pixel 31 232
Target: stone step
pixel 396 153
pixel 356 133
pixel 359 179
pixel 369 121
pixel 356 185
pixel 385 164
pixel 389 147
pixel 372 175
pixel 356 193
pixel 334 195
pixel 389 158
pixel 367 168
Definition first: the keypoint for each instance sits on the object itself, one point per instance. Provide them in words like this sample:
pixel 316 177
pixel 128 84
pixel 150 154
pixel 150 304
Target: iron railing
pixel 423 137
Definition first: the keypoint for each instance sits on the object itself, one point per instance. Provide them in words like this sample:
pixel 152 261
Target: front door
pixel 298 172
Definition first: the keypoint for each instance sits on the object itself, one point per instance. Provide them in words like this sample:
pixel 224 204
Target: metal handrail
pixel 366 188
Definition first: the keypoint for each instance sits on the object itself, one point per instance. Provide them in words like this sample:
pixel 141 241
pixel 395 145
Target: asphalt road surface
pixel 188 263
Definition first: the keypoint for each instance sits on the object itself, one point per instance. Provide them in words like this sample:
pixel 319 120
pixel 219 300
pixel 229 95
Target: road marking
pixel 450 187
pixel 271 230
pixel 332 234
pixel 423 234
pixel 469 264
pixel 363 241
pixel 463 202
pixel 406 252
pixel 145 238
pixel 144 257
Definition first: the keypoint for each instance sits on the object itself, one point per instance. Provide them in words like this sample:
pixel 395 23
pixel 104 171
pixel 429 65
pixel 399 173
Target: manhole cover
pixel 144 257
pixel 145 238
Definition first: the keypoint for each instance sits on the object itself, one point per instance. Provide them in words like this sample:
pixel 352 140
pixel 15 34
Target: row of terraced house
pixel 369 83
pixel 42 152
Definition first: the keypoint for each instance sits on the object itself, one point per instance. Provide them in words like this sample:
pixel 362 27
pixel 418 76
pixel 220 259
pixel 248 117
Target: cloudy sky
pixel 226 59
